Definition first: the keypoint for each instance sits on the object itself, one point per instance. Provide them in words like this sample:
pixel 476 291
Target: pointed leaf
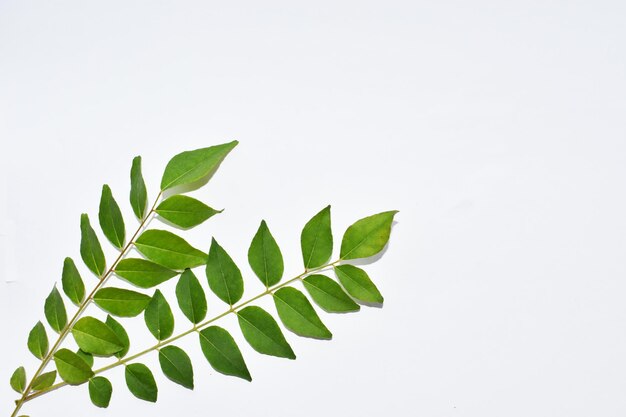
pixel 176 365
pixel 298 315
pixel 111 220
pixel 44 381
pixel 54 310
pixel 143 273
pixel 71 367
pixel 121 334
pixel 90 249
pixel 316 240
pixel 222 352
pixel 328 294
pixel 141 383
pixel 138 192
pixel 191 297
pixel 38 341
pixel 191 166
pixel 262 333
pixel 367 236
pixel 18 380
pixel 169 250
pixel 265 258
pixel 121 302
pixel 100 390
pixel 159 317
pixel 95 337
pixel 223 275
pixel 358 284
pixel 185 211
pixel 73 285
pixel 87 357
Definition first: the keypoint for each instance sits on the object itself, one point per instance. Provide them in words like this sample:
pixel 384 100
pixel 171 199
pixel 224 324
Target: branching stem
pixel 26 396
pixel 195 328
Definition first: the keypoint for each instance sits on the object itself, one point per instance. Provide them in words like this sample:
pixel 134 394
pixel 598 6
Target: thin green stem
pixel 81 308
pixel 195 328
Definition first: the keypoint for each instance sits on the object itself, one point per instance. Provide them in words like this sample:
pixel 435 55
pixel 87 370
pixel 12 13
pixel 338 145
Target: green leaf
pixel 111 220
pixel 298 315
pixel 367 236
pixel 191 297
pixel 159 317
pixel 176 365
pixel 18 380
pixel 222 352
pixel 73 285
pixel 191 166
pixel 100 390
pixel 223 275
pixel 54 310
pixel 169 250
pixel 262 333
pixel 138 192
pixel 316 240
pixel 121 334
pixel 44 381
pixel 95 337
pixel 358 284
pixel 90 249
pixel 265 258
pixel 185 211
pixel 38 341
pixel 143 273
pixel 328 294
pixel 121 302
pixel 87 357
pixel 71 367
pixel 140 382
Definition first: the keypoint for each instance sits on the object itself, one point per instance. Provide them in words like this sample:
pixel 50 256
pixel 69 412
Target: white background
pixel 496 128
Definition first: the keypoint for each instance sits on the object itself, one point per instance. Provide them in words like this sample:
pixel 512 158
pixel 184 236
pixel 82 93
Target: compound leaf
pixel 191 297
pixel 367 236
pixel 140 382
pixel 95 337
pixel 169 250
pixel 90 249
pixel 54 310
pixel 100 390
pixel 265 258
pixel 72 368
pixel 138 192
pixel 222 352
pixel 158 317
pixel 185 211
pixel 191 166
pixel 316 240
pixel 111 220
pixel 121 302
pixel 223 275
pixel 38 341
pixel 358 284
pixel 18 380
pixel 262 333
pixel 298 315
pixel 73 285
pixel 176 365
pixel 143 273
pixel 329 295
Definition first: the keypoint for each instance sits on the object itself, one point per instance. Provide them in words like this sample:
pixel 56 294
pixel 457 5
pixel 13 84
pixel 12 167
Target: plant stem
pixel 81 308
pixel 195 328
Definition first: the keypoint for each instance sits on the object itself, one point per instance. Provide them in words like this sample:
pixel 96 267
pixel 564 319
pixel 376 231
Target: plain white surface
pixel 496 128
